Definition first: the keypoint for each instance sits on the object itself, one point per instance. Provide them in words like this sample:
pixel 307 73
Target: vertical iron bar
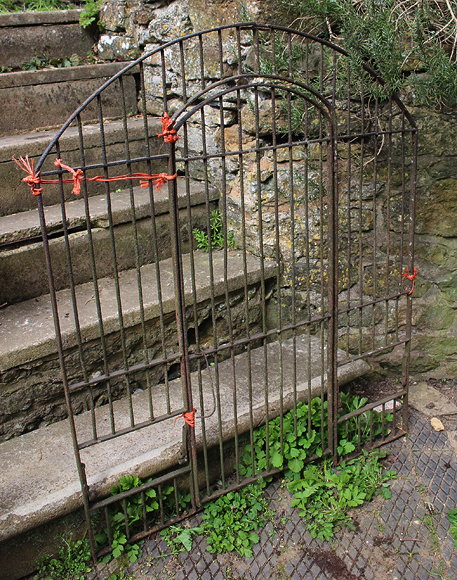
pixel 74 438
pixel 180 309
pixel 333 395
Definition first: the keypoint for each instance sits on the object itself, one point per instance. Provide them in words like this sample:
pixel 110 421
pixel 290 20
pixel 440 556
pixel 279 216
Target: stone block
pixel 47 97
pixel 50 34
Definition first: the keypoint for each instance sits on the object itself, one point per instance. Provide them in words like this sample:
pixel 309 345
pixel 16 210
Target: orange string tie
pixel 33 180
pixel 411 277
pixel 168 133
pixel 77 176
pixel 189 418
pixel 157 179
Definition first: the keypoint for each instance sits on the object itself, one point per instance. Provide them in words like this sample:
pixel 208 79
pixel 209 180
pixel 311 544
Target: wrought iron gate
pixel 274 267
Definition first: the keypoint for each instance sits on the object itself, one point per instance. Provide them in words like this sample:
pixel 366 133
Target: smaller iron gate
pixel 239 301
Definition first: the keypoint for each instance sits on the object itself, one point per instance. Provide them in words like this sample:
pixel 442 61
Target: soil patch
pixel 332 564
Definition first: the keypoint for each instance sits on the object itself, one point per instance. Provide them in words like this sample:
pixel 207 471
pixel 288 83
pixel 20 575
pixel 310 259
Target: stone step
pixel 16 197
pixel 39 482
pixel 22 265
pixel 37 99
pixel 54 34
pixel 30 379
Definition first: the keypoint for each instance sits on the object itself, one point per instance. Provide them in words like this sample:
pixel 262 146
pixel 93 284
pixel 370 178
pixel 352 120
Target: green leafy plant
pixel 324 494
pixel 71 562
pixel 90 14
pixel 180 538
pixel 216 232
pixel 393 38
pixel 231 522
pixel 129 514
pixel 301 434
pixel 40 62
pixel 33 5
pixel 452 517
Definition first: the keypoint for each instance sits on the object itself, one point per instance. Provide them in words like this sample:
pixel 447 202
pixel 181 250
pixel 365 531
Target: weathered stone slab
pixel 22 265
pixel 18 197
pixel 51 34
pixel 46 98
pixel 30 382
pixel 39 480
pixel 27 330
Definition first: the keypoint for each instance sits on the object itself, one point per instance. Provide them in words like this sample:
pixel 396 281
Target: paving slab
pixel 55 34
pixel 46 98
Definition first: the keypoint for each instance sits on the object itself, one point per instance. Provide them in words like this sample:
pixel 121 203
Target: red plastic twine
pixel 189 418
pixel 411 277
pixel 34 181
pixel 168 134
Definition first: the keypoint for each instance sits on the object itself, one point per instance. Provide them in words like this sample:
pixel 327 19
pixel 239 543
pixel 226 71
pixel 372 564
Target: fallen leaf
pixel 436 424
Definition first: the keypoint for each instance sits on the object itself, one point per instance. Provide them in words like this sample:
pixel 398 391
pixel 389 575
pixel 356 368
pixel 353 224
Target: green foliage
pixel 392 37
pixel 90 14
pixel 33 5
pixel 39 62
pixel 179 538
pixel 324 494
pixel 301 434
pixel 129 514
pixel 231 522
pixel 438 86
pixel 71 563
pixel 452 517
pixel 217 234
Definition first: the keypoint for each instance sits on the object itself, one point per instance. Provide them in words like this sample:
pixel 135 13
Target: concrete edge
pixel 17 227
pixel 41 346
pixel 19 19
pixel 60 74
pixel 33 144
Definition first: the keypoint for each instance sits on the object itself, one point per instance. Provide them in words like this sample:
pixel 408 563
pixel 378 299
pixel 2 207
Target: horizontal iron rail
pixel 107 164
pixel 135 490
pixel 373 352
pixel 371 406
pixel 373 302
pixel 127 430
pixel 286 145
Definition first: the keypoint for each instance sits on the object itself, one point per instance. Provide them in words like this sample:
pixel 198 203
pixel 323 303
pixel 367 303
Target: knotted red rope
pixel 411 277
pixel 189 418
pixel 34 180
pixel 168 134
pixel 77 174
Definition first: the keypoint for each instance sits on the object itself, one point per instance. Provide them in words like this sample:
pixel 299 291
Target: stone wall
pixel 134 27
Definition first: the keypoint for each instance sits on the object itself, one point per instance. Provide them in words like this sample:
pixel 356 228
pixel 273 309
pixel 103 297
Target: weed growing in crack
pixel 216 233
pixel 71 562
pixel 452 517
pixel 324 494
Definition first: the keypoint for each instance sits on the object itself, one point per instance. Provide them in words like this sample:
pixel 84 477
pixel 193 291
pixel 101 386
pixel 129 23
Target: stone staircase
pixel 39 485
